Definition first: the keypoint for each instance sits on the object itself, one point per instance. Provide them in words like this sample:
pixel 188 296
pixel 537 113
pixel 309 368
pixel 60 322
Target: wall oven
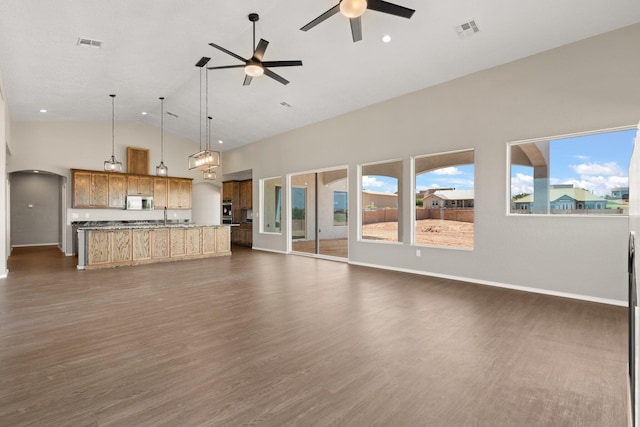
pixel 227 213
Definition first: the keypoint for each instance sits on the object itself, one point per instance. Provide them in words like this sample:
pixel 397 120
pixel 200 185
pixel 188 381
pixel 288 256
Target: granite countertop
pixel 124 225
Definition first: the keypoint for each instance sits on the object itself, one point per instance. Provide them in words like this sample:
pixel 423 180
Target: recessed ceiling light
pixel 220 141
pixel 386 38
pixel 43 111
pixel 144 113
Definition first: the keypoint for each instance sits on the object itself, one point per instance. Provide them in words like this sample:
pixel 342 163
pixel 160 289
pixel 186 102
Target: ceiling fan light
pixel 253 70
pixel 353 8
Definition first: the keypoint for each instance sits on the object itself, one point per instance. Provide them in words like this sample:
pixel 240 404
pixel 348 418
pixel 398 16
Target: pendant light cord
pixel 162 129
pixel 113 126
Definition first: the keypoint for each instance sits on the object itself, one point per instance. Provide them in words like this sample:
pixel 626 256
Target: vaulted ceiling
pixel 150 48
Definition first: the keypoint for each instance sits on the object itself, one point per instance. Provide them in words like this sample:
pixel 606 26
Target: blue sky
pixel 458 177
pixel 596 162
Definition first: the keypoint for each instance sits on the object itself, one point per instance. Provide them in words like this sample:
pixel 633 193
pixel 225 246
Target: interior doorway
pixel 319 214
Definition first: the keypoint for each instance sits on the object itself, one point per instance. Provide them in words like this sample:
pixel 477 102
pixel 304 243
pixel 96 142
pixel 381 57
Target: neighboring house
pixel 563 197
pixel 372 200
pixel 620 193
pixel 448 198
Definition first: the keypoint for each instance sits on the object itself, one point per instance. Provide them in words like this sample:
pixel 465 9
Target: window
pixel 445 185
pixel 340 208
pixel 577 175
pixel 381 198
pixel 271 204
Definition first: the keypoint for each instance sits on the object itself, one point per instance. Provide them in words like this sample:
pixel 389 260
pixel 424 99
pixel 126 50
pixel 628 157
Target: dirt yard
pixel 428 232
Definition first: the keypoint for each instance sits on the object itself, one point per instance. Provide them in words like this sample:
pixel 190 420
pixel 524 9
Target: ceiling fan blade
pixel 274 76
pixel 222 67
pixel 259 52
pixel 281 63
pixel 390 8
pixel 328 14
pixel 356 29
pixel 228 52
pixel 203 61
pixel 247 80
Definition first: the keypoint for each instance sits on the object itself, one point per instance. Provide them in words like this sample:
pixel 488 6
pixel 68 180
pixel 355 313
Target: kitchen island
pixel 118 245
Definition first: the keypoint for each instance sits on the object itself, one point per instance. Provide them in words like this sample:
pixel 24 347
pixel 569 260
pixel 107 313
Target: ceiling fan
pixel 255 66
pixel 353 9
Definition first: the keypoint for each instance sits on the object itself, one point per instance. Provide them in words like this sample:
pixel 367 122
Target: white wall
pixel 206 204
pixel 588 85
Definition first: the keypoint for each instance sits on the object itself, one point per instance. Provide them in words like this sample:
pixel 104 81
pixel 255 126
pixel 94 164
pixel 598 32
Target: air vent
pixel 285 104
pixel 467 29
pixel 89 43
pixel 169 113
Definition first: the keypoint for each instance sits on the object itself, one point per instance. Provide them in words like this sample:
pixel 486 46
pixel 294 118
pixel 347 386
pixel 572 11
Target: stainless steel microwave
pixel 139 203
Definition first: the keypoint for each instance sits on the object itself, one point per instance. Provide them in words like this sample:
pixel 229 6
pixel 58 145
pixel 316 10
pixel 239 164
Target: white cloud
pixel 521 183
pixel 610 168
pixel 581 157
pixel 371 181
pixel 447 171
pixel 600 185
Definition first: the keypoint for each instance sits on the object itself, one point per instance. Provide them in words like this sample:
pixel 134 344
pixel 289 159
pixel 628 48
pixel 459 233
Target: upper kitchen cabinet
pixel 179 193
pixel 160 192
pixel 94 189
pixel 117 190
pixel 138 161
pixel 246 194
pixel 90 189
pixel 139 185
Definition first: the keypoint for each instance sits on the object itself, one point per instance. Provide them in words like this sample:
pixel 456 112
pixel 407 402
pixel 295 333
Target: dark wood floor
pixel 267 339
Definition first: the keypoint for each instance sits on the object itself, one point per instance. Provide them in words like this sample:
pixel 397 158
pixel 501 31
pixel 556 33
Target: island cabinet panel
pixel 98 247
pixel 223 240
pixel 141 244
pixel 116 247
pixel 117 191
pixel 121 246
pixel 160 193
pixel 178 242
pixel 160 243
pixel 194 241
pixel 208 240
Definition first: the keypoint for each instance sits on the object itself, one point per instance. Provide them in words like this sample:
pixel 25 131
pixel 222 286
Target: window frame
pixel 551 138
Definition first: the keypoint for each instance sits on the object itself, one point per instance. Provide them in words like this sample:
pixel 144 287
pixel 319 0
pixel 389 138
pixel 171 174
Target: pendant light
pixel 112 165
pixel 161 169
pixel 204 159
pixel 209 173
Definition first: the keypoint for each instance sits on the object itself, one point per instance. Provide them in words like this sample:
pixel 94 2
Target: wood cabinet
pixel 160 193
pixel 242 235
pixel 240 194
pixel 138 160
pixel 246 194
pixel 133 246
pixel 179 190
pixel 94 189
pixel 139 185
pixel 117 190
pixel 90 189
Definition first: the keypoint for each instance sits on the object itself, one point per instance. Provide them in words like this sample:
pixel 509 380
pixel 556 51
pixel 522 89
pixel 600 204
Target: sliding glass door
pixel 319 215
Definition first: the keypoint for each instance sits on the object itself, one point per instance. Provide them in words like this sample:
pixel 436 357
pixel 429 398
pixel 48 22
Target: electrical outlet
pixel 418 252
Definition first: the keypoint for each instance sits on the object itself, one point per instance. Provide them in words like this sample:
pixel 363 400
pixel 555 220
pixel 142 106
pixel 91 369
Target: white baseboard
pixel 255 248
pixel 4 275
pixel 499 285
pixel 36 244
